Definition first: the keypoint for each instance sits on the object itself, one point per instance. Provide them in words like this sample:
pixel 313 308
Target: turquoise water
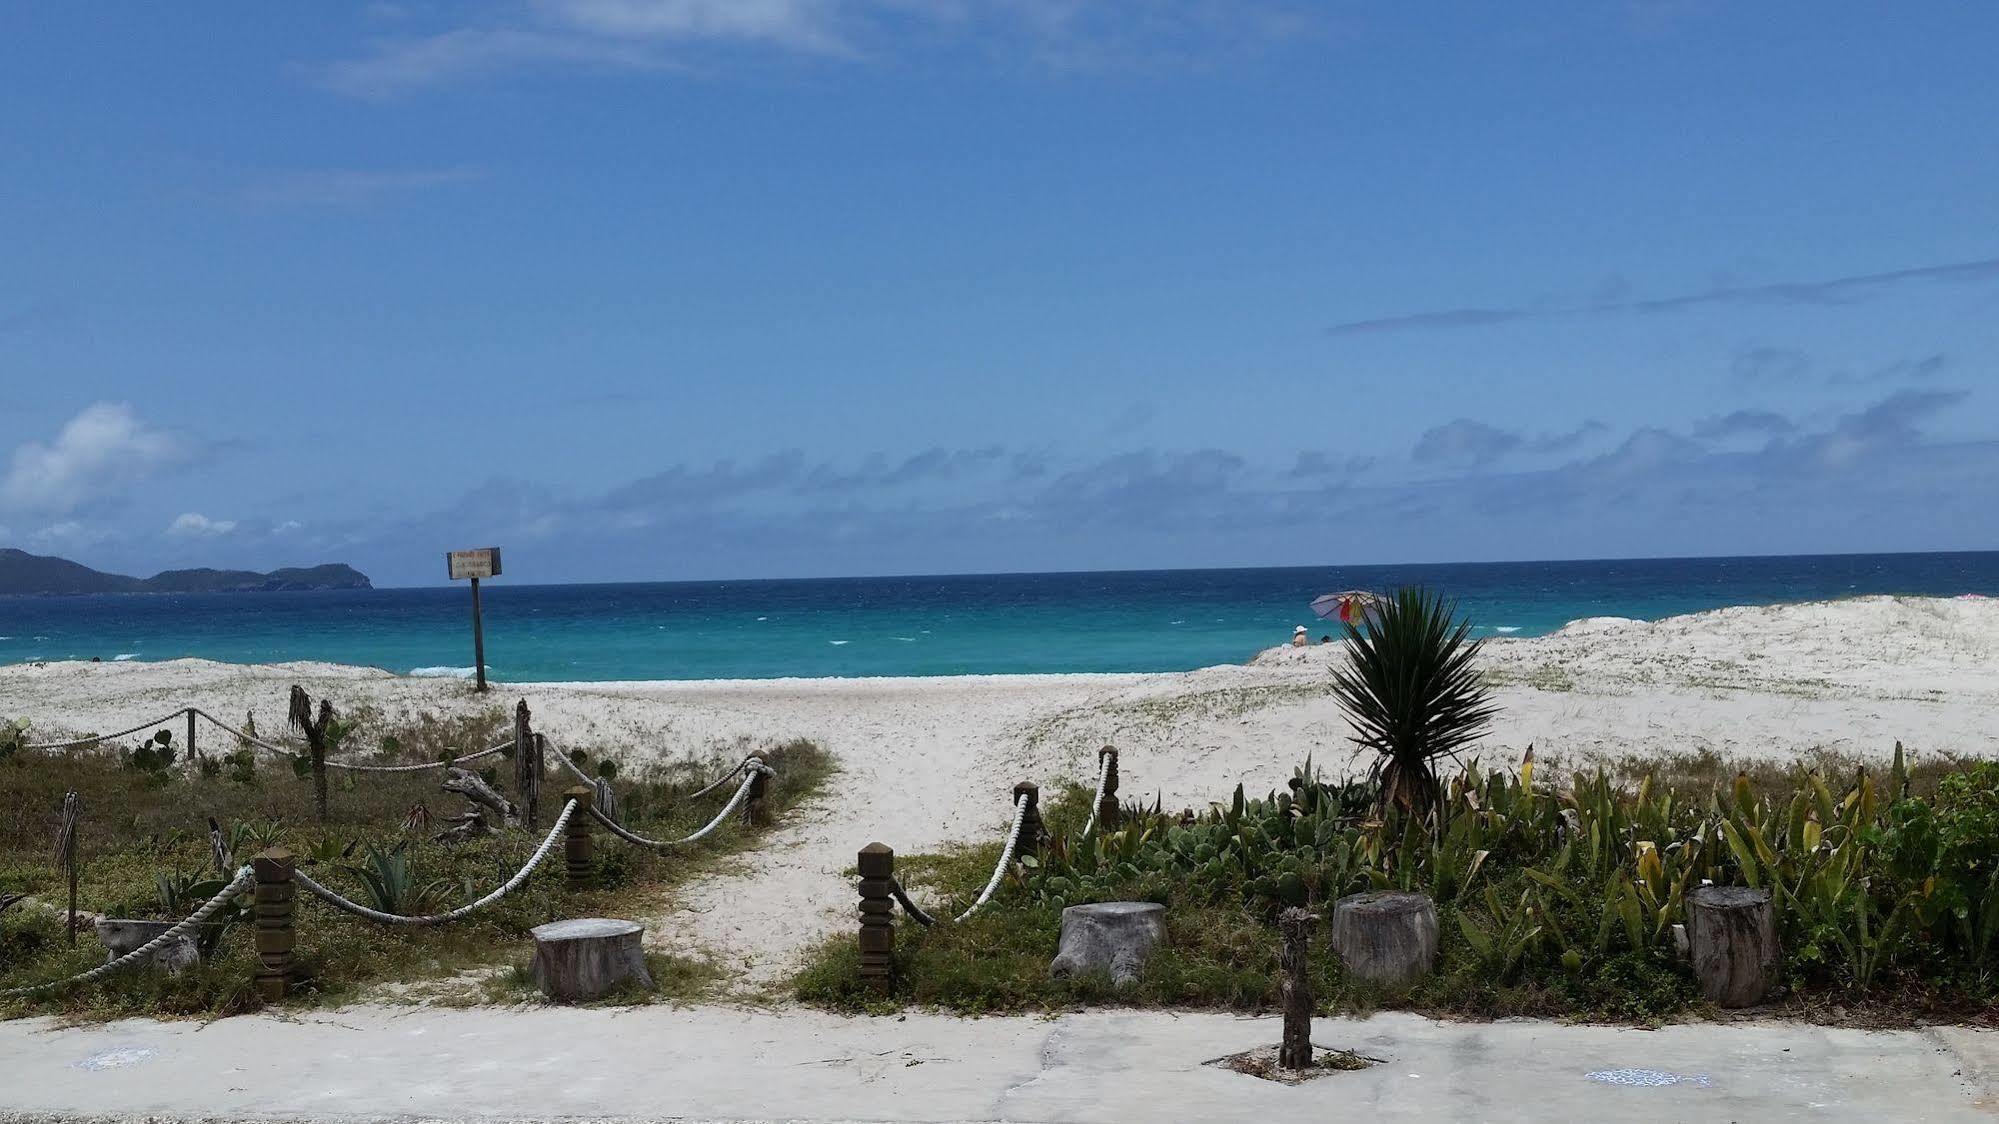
pixel 1158 620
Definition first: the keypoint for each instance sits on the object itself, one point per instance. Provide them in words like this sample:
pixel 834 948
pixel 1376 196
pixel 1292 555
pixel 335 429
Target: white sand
pixel 930 760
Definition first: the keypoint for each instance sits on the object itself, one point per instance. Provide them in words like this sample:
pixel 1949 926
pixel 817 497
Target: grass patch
pixel 1555 902
pixel 140 823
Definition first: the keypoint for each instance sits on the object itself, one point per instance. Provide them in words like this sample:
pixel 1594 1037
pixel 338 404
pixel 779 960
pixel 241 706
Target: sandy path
pixel 929 760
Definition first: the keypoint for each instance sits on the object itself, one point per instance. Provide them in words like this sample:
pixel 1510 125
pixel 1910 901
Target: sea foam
pixel 444 672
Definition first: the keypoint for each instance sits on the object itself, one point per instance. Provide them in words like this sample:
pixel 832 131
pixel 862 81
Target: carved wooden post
pixel 1107 807
pixel 1030 823
pixel 527 766
pixel 877 863
pixel 754 811
pixel 578 849
pixel 275 910
pixel 1295 1051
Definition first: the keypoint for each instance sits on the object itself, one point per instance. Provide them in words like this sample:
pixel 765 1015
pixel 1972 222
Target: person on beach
pixel 1299 637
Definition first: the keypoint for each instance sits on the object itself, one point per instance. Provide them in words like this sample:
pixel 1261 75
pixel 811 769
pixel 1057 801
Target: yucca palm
pixel 1411 692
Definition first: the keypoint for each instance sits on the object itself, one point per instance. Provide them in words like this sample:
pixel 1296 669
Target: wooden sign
pixel 481 563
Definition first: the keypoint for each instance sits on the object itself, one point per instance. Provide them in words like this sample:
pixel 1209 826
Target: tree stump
pixel 1385 937
pixel 121 935
pixel 1114 937
pixel 587 958
pixel 1732 936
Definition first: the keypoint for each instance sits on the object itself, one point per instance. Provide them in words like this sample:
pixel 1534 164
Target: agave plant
pixel 392 884
pixel 1412 694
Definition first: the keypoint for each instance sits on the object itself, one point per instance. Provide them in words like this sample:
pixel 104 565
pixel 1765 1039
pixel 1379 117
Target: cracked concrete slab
pixel 711 1063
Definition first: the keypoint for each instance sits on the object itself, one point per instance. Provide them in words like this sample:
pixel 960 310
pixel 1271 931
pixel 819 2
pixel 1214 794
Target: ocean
pixel 1154 620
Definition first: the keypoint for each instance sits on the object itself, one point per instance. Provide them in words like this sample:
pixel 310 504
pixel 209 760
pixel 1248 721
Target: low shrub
pixel 1551 901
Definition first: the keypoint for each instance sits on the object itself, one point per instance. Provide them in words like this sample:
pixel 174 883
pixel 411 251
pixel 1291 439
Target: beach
pixel 925 761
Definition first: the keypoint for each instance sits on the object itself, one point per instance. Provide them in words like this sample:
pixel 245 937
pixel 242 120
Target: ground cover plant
pixel 145 852
pixel 1554 899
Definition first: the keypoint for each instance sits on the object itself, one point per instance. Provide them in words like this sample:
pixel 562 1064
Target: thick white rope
pixel 334 899
pixel 1006 860
pixel 999 871
pixel 74 742
pixel 244 877
pixel 742 792
pixel 1097 801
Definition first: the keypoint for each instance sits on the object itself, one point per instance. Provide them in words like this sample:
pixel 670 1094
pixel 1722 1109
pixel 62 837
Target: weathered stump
pixel 1114 937
pixel 1385 937
pixel 587 958
pixel 1732 936
pixel 1294 1051
pixel 121 935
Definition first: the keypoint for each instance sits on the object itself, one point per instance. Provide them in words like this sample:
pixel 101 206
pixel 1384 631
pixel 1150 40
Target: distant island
pixel 24 573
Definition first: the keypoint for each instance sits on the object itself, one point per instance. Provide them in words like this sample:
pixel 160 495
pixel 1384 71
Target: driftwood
pixel 1732 935
pixel 1294 1051
pixel 1113 937
pixel 588 958
pixel 1385 937
pixel 471 825
pixel 468 785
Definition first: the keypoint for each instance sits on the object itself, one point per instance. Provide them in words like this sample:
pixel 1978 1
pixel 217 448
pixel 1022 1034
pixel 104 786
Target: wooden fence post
pixel 754 812
pixel 1295 1049
pixel 275 912
pixel 193 756
pixel 527 766
pixel 877 864
pixel 313 727
pixel 72 812
pixel 1030 823
pixel 1107 807
pixel 578 849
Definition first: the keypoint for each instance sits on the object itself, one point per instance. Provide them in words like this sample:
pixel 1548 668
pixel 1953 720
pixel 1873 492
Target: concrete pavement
pixel 661 1063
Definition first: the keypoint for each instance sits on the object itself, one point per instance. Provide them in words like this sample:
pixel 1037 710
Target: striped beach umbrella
pixel 1347 606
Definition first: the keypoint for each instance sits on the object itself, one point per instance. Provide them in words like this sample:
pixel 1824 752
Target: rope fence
pixel 348 905
pixel 244 877
pixel 247 738
pixel 882 893
pixel 272 877
pixel 758 772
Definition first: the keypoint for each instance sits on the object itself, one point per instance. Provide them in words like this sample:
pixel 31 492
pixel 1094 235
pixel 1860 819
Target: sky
pixel 664 289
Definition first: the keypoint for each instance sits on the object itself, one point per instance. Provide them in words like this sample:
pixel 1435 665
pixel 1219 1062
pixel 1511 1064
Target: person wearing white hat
pixel 1299 638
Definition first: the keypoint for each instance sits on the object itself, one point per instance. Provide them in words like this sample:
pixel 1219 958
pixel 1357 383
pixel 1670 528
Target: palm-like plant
pixel 1412 694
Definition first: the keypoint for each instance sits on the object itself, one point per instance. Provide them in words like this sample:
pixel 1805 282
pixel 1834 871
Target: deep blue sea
pixel 1156 620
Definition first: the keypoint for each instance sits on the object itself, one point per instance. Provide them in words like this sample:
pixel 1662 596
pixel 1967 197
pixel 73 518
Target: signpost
pixel 475 564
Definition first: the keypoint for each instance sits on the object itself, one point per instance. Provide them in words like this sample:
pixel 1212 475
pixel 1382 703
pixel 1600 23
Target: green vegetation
pixel 1552 902
pixel 145 852
pixel 1411 692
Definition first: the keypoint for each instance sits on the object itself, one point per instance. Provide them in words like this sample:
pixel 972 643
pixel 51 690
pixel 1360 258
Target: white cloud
pixel 655 35
pixel 287 527
pixel 802 25
pixel 101 451
pixel 194 525
pixel 66 535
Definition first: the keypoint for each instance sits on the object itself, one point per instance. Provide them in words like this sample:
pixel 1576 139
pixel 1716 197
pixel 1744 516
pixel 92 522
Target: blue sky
pixel 726 288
